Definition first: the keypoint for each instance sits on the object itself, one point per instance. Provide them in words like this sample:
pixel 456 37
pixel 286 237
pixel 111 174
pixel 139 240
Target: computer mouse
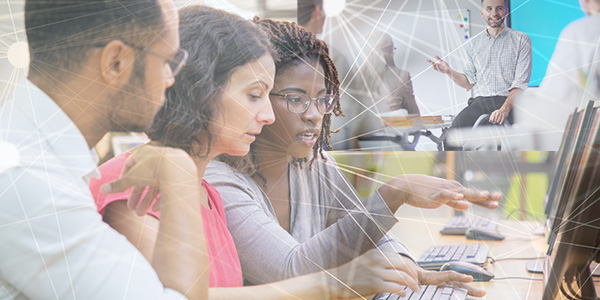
pixel 483 235
pixel 478 273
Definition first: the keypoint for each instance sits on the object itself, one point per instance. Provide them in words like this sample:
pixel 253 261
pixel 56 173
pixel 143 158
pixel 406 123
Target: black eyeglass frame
pixel 328 110
pixel 175 64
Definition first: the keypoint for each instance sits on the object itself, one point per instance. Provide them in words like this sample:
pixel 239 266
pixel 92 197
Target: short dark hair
pixel 218 42
pixel 305 9
pixel 505 1
pixel 61 32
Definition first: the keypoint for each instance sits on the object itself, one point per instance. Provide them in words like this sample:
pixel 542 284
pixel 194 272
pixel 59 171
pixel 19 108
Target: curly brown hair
pixel 218 43
pixel 295 45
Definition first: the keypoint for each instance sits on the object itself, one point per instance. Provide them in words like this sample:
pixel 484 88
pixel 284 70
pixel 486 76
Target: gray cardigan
pixel 329 223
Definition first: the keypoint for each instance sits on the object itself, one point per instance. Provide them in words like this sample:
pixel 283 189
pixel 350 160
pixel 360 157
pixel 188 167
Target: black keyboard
pixel 458 225
pixel 427 292
pixel 434 257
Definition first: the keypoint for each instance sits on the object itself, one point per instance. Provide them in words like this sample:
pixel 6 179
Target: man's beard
pixel 130 99
pixel 495 24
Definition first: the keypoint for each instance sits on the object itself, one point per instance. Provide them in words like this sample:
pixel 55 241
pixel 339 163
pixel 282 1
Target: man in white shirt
pixel 96 66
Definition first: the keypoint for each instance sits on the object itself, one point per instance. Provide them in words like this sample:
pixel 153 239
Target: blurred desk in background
pixel 406 132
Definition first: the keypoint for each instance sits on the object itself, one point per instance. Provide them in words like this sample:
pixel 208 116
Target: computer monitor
pixel 562 156
pixel 577 232
pixel 570 151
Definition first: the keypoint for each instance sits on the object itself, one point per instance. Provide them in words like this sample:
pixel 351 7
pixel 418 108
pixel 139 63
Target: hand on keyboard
pixel 452 278
pixel 447 278
pixel 432 192
pixel 371 273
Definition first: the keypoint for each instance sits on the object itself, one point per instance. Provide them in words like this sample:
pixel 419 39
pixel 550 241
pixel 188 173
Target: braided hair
pixel 295 45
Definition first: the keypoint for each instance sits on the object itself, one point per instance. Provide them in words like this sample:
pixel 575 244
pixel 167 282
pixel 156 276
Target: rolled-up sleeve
pixel 524 63
pixel 469 68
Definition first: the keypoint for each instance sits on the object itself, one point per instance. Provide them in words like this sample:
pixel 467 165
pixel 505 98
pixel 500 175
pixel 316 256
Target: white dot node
pixel 18 55
pixel 10 156
pixel 333 7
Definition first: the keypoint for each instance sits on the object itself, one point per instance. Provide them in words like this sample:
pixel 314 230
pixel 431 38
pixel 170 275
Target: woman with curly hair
pixel 218 104
pixel 289 208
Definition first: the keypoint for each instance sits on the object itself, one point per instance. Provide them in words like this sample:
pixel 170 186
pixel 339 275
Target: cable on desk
pixel 522 278
pixel 492 260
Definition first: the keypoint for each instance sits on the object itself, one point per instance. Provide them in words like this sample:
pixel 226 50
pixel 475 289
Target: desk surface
pixel 419 232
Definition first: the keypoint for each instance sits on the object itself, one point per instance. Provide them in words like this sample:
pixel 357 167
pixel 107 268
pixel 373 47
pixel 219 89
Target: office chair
pixel 483 120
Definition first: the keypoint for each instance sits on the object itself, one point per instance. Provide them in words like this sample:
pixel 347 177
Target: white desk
pixel 420 232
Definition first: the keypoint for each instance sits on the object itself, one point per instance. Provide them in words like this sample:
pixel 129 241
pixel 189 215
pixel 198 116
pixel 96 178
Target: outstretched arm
pixel 459 78
pixel 432 192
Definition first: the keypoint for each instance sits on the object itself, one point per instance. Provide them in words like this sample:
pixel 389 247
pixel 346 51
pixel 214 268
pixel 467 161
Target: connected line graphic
pixel 364 36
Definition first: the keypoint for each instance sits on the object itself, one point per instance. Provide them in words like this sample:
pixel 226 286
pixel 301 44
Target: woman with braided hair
pixel 289 208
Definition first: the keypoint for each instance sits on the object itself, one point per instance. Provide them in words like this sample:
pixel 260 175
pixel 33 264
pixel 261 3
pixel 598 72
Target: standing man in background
pixel 498 68
pixel 96 66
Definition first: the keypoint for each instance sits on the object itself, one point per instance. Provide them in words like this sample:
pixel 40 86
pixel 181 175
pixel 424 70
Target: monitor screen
pixel 584 122
pixel 560 168
pixel 542 20
pixel 577 229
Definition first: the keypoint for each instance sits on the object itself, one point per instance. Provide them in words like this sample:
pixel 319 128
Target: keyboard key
pixel 429 292
pixel 435 251
pixel 426 253
pixel 459 294
pixel 447 290
pixel 393 297
pixel 382 296
pixel 450 252
pixel 444 251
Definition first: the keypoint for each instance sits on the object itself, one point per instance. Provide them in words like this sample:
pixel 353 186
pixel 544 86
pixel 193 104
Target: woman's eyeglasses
pixel 299 103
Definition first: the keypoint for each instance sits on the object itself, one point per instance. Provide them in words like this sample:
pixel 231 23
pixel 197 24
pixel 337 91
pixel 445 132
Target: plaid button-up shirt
pixel 497 65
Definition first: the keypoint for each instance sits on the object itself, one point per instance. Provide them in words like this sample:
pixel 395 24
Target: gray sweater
pixel 329 223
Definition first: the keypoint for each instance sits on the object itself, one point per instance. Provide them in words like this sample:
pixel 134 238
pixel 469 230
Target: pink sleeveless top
pixel 225 269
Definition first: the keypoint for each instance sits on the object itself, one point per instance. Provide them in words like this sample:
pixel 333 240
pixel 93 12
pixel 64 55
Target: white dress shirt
pixel 53 243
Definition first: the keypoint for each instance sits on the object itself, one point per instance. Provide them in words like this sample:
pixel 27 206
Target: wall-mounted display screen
pixel 542 20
